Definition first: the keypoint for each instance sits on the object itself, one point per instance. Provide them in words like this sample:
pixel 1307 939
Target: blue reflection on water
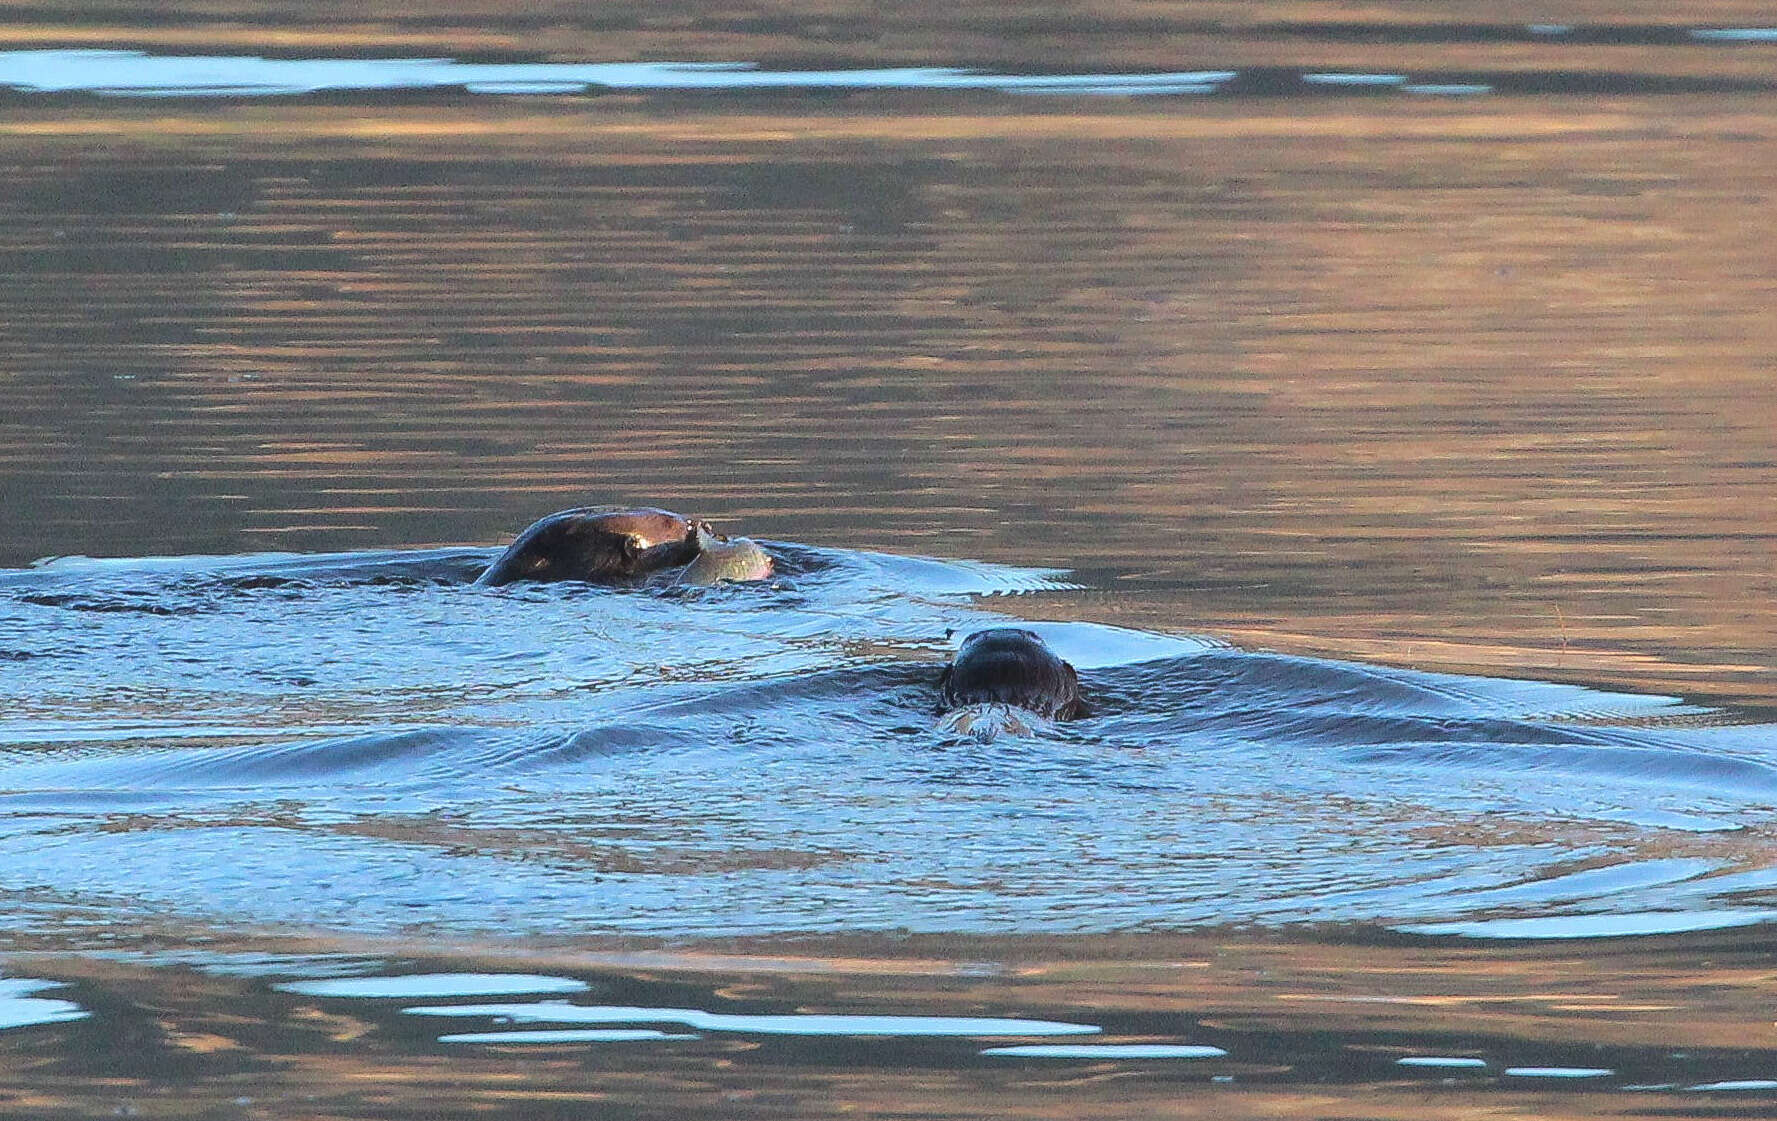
pixel 413 985
pixel 794 1024
pixel 1451 1062
pixel 19 1009
pixel 1737 34
pixel 139 74
pixel 1448 89
pixel 1597 926
pixel 1108 1051
pixel 566 1035
pixel 364 741
pixel 126 73
pixel 1336 79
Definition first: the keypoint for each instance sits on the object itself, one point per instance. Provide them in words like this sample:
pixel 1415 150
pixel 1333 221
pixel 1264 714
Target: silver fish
pixel 725 560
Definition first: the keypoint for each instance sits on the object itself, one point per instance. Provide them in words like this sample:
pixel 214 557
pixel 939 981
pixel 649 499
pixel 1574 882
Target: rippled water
pixel 369 749
pixel 1375 408
pixel 400 751
pixel 114 73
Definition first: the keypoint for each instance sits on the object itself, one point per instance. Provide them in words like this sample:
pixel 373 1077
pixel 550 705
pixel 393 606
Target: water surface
pixel 398 750
pixel 1458 385
pixel 1375 408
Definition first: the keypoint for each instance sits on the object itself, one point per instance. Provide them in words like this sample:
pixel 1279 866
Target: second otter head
pixel 1011 666
pixel 596 545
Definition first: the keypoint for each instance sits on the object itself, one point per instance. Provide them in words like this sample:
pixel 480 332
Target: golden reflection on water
pixel 1311 1028
pixel 1471 385
pixel 1468 384
pixel 1479 384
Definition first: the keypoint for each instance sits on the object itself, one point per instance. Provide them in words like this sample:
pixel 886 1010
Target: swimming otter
pixel 722 559
pixel 596 544
pixel 1013 667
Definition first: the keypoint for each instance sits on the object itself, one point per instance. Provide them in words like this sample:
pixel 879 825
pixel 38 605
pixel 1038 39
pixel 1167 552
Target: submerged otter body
pixel 596 545
pixel 1013 667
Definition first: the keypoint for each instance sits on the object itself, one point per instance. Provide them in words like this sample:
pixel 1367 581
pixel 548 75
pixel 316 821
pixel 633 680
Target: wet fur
pixel 595 545
pixel 1011 666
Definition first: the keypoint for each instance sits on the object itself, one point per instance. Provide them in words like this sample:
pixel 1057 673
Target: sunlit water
pixel 1392 336
pixel 365 742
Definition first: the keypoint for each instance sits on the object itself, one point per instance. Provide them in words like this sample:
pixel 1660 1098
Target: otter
pixel 1013 668
pixel 596 544
pixel 724 559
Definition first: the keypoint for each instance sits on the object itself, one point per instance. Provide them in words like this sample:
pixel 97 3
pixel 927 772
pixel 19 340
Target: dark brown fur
pixel 1011 666
pixel 596 545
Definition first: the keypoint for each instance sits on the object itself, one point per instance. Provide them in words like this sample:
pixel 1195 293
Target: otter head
pixel 1011 666
pixel 597 546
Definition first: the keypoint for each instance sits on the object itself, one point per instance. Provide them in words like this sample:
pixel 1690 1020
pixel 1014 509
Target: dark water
pixel 1375 408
